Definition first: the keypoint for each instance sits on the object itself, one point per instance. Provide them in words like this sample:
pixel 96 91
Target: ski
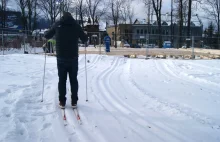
pixel 76 112
pixel 64 116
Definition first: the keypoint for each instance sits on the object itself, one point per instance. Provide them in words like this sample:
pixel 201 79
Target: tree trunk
pixel 180 23
pixel 116 34
pixel 218 24
pixel 35 15
pixel 81 13
pixel 30 12
pixel 189 22
pixel 160 31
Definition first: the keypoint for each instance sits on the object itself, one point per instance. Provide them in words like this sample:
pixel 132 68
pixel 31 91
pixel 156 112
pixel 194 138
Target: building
pixel 95 34
pixel 124 34
pixel 141 32
pixel 148 33
pixel 12 19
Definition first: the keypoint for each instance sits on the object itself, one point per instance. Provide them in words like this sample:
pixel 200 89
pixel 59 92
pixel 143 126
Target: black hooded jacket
pixel 67 33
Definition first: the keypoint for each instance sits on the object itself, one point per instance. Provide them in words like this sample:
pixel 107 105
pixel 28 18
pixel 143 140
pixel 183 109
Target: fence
pixel 18 39
pixel 126 43
pixel 148 45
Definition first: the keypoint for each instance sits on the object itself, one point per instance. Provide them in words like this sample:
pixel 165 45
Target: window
pixel 163 32
pixel 137 31
pixel 142 31
pixel 145 31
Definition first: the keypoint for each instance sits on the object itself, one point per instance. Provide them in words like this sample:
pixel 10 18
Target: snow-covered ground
pixel 129 100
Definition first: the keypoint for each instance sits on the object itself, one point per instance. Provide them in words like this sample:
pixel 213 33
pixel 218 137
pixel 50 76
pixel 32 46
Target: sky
pixel 139 9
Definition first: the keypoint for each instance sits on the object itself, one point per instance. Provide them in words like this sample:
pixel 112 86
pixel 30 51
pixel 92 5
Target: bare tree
pixel 127 12
pixel 96 8
pixel 131 15
pixel 81 10
pixel 3 7
pixel 114 15
pixel 22 5
pixel 157 5
pixel 35 6
pixel 181 20
pixel 212 8
pixel 30 13
pixel 189 21
pixel 66 5
pixel 51 9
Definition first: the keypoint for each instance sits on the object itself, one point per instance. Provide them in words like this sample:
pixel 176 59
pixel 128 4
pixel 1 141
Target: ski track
pixel 81 132
pixel 136 114
pixel 112 89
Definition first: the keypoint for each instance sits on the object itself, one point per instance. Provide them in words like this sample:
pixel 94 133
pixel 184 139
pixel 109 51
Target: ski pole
pixel 44 75
pixel 86 75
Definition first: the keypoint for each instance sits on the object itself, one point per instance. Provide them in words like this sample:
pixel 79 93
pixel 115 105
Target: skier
pixel 67 32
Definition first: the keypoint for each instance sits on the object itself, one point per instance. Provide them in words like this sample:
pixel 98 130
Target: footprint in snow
pixel 9 101
pixel 8 91
pixel 46 125
pixel 6 112
pixel 2 94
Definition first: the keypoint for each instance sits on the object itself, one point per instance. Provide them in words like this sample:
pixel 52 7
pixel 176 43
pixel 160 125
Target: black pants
pixel 69 66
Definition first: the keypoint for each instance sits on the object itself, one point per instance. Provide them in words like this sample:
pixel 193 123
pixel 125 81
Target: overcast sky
pixel 139 9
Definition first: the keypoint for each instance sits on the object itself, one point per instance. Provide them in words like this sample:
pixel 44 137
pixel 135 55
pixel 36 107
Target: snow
pixel 129 100
pixel 29 49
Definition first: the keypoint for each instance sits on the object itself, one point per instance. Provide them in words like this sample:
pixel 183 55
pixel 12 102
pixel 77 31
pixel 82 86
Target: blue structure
pixel 166 44
pixel 107 41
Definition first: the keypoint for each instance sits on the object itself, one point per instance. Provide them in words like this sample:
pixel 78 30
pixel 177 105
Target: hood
pixel 67 20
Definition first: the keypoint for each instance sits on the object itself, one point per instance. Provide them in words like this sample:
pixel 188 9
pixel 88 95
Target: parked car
pixel 149 46
pixel 184 46
pixel 207 47
pixel 167 44
pixel 127 45
pixel 135 46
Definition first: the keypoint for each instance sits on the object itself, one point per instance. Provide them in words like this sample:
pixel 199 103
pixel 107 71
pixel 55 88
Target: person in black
pixel 67 33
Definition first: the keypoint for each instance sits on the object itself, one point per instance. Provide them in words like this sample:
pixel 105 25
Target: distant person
pixel 67 33
pixel 107 41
